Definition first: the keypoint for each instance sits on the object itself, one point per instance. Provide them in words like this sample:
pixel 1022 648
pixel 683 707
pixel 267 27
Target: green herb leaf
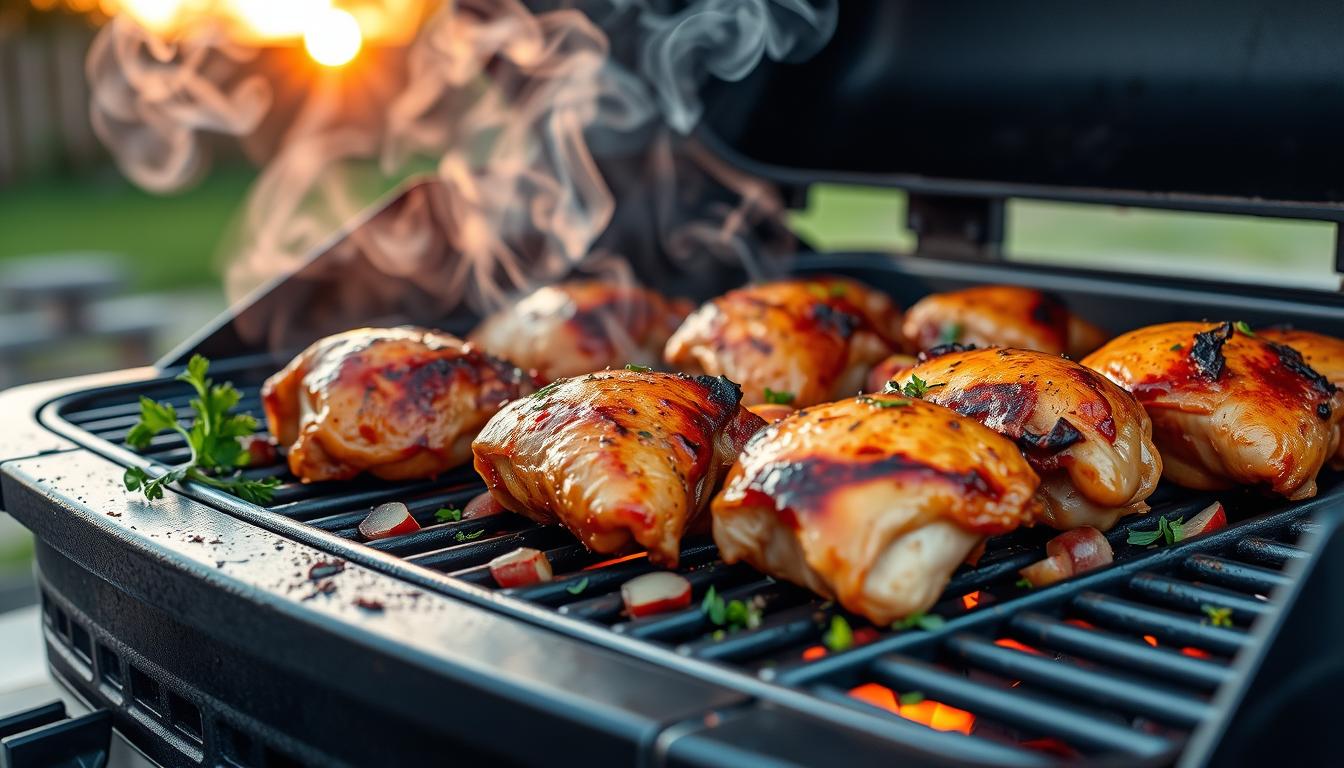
pixel 1218 616
pixel 1244 327
pixel 577 589
pixel 917 387
pixel 644 433
pixel 448 514
pixel 637 368
pixel 461 536
pixel 951 333
pixel 548 389
pixel 1024 583
pixel 925 621
pixel 1177 347
pixel 876 403
pixel 731 614
pixel 1167 530
pixel 838 636
pixel 910 698
pixel 777 397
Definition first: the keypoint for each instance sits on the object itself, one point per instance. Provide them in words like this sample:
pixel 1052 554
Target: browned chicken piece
pixel 581 326
pixel 808 339
pixel 1001 316
pixel 893 367
pixel 873 501
pixel 1088 439
pixel 398 403
pixel 1228 408
pixel 619 457
pixel 1325 355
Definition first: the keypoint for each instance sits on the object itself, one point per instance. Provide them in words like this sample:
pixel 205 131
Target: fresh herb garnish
pixel 1218 616
pixel 731 614
pixel 1024 583
pixel 577 589
pixel 637 368
pixel 925 621
pixel 917 387
pixel 910 698
pixel 873 401
pixel 213 440
pixel 1177 347
pixel 448 514
pixel 839 636
pixel 1169 531
pixel 951 333
pixel 646 434
pixel 1244 327
pixel 548 389
pixel 778 397
pixel 474 535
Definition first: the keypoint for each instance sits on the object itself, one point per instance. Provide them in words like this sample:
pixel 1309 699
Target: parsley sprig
pixel 917 387
pixel 778 397
pixel 730 614
pixel 1167 530
pixel 448 515
pixel 216 453
pixel 839 636
pixel 1218 616
pixel 925 621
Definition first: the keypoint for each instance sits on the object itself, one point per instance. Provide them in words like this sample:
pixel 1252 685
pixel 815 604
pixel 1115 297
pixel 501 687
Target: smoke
pixel 551 151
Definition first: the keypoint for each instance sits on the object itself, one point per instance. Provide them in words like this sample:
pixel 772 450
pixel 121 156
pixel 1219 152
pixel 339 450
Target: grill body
pixel 220 631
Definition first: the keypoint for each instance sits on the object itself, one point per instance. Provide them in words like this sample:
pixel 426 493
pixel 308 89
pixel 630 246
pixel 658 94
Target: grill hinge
pixel 957 226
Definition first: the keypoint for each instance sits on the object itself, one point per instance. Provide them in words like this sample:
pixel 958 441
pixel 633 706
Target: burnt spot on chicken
pixel 1003 408
pixel 1207 352
pixel 720 391
pixel 835 320
pixel 943 349
pixel 1292 360
pixel 1061 437
pixel 1049 310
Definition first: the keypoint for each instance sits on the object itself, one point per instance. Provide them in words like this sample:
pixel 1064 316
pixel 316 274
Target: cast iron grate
pixel 1121 662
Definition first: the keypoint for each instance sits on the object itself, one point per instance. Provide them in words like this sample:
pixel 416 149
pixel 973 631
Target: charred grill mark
pixel 1062 436
pixel 1003 408
pixel 943 349
pixel 835 320
pixel 1207 352
pixel 1292 360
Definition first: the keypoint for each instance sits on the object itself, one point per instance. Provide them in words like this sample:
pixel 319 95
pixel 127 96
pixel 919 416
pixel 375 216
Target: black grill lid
pixel 1201 104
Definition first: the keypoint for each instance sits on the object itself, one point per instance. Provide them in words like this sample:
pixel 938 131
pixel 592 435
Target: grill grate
pixel 1121 662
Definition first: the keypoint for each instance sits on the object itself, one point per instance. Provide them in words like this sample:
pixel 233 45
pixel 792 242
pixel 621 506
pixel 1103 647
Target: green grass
pixel 167 242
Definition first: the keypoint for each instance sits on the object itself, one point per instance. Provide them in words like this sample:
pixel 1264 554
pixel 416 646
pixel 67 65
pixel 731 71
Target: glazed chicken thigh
pixel 1000 316
pixel 580 326
pixel 1087 438
pixel 1325 355
pixel 398 403
pixel 808 339
pixel 1228 407
pixel 872 501
pixel 620 457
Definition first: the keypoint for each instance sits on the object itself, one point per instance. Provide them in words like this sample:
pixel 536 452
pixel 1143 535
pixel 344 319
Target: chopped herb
pixel 448 514
pixel 917 387
pixel 1244 327
pixel 925 621
pixel 731 614
pixel 838 289
pixel 839 636
pixel 637 368
pixel 1024 583
pixel 577 589
pixel 951 333
pixel 548 389
pixel 718 635
pixel 778 397
pixel 474 535
pixel 1177 347
pixel 713 606
pixel 910 698
pixel 645 433
pixel 1218 617
pixel 873 401
pixel 213 440
pixel 1169 531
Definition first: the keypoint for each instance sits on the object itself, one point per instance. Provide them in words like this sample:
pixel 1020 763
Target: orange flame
pixel 935 714
pixel 970 600
pixel 1008 642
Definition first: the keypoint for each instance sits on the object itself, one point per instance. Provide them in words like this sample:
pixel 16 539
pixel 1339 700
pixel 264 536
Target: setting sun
pixel 333 37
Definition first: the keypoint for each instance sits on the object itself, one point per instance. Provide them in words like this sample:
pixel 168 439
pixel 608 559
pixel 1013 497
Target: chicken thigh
pixel 1325 355
pixel 1000 316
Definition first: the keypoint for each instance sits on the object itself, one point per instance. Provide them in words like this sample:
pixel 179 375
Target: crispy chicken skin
pixel 1000 316
pixel 1088 439
pixel 873 506
pixel 619 457
pixel 1325 354
pixel 814 338
pixel 580 326
pixel 1228 408
pixel 398 403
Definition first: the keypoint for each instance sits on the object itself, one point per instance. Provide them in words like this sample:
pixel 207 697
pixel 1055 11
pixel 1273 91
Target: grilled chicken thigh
pixel 396 402
pixel 619 457
pixel 581 326
pixel 1000 316
pixel 873 501
pixel 1087 438
pixel 1325 355
pixel 809 339
pixel 1228 408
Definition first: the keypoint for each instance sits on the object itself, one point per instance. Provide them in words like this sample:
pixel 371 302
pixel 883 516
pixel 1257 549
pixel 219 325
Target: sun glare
pixel 333 37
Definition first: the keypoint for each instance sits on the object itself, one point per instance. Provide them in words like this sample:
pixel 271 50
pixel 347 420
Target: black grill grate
pixel 1121 662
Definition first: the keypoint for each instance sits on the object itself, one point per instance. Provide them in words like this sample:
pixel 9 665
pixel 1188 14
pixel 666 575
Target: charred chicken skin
pixel 1325 355
pixel 581 326
pixel 1088 439
pixel 1228 408
pixel 873 501
pixel 398 403
pixel 809 339
pixel 1001 316
pixel 619 457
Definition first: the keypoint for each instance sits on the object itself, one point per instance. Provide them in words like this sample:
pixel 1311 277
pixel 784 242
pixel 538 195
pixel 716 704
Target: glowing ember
pixel 935 714
pixel 970 600
pixel 1198 653
pixel 1149 639
pixel 814 653
pixel 1008 642
pixel 614 560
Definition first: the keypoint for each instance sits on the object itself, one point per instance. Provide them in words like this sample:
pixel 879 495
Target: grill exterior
pixel 218 630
